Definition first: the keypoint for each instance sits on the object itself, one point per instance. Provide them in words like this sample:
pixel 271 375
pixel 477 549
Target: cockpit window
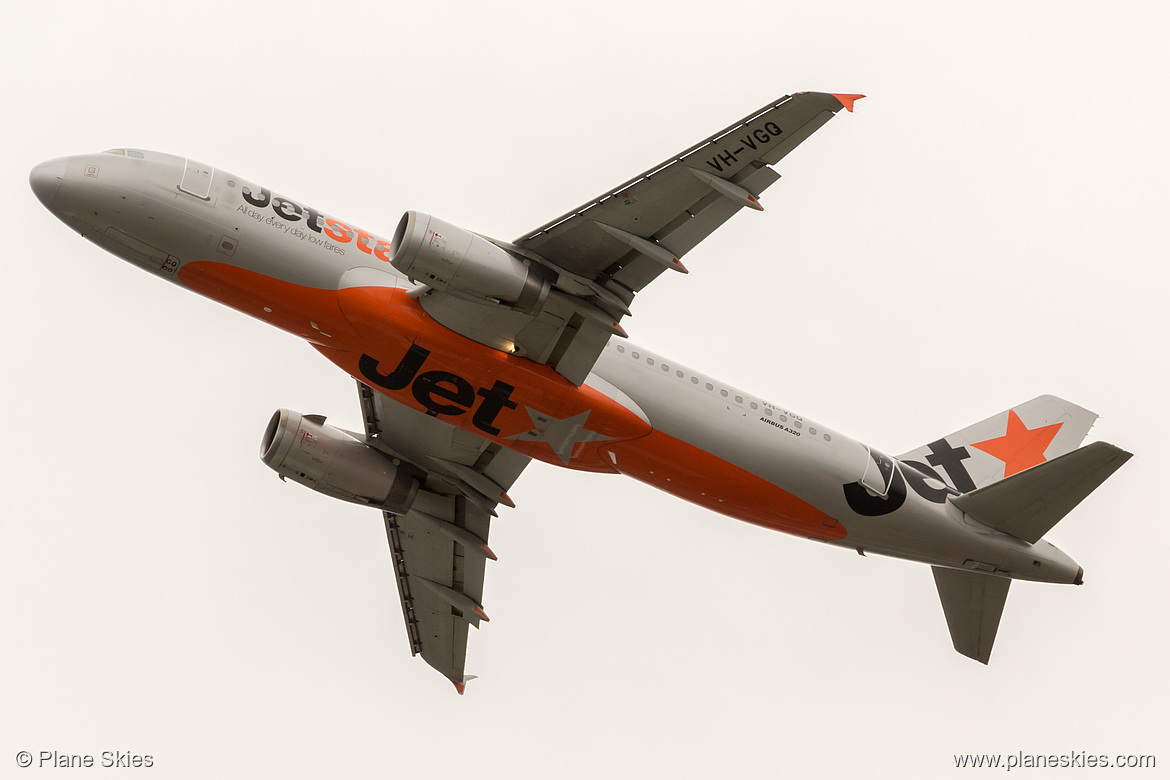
pixel 115 151
pixel 126 153
pixel 132 153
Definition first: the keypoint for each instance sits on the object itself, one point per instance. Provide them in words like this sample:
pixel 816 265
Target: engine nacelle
pixel 332 461
pixel 449 258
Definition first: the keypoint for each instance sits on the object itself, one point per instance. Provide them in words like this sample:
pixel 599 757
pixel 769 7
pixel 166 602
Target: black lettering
pixel 761 136
pixel 951 459
pixel 748 142
pixel 726 158
pixel 434 384
pixel 494 401
pixel 865 503
pixel 287 209
pixel 401 377
pixel 314 219
pixel 773 128
pixel 917 473
pixel 259 202
pixel 714 163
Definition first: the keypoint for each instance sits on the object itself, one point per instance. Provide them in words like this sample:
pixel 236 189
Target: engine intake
pixel 450 258
pixel 335 462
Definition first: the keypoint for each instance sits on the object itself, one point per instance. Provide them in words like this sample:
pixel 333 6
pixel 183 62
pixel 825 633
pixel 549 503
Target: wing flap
pixel 696 223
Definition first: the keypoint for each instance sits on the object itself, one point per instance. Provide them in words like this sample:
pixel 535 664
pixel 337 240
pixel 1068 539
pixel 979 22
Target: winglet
pixel 847 100
pixel 461 684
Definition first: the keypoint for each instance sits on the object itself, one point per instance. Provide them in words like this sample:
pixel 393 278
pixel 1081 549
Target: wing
pixel 602 253
pixel 439 548
pixel 628 236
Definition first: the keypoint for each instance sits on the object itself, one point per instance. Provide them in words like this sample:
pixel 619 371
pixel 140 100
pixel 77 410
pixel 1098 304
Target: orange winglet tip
pixel 621 331
pixel 504 498
pixel 483 615
pixel 681 267
pixel 459 687
pixel 488 552
pixel 847 100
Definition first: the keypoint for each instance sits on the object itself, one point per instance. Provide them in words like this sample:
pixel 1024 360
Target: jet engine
pixel 455 260
pixel 335 462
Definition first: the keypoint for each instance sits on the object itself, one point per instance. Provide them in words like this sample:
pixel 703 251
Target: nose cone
pixel 46 179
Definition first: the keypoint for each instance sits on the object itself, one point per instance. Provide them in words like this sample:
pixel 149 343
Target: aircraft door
pixel 197 179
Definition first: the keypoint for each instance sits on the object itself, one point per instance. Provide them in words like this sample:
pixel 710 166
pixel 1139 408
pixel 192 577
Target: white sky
pixel 988 226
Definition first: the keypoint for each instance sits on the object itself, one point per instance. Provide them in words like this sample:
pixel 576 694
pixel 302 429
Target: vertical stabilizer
pixel 973 603
pixel 1012 441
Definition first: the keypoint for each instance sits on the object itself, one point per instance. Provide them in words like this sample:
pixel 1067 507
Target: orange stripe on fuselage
pixel 385 322
pixel 693 474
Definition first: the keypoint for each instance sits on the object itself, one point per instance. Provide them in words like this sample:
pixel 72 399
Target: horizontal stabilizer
pixel 1028 504
pixel 973 603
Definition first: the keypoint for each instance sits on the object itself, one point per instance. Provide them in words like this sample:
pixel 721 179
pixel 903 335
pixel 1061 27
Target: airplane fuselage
pixel 639 413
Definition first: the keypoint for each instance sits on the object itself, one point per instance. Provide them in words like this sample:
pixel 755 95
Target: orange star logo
pixel 1020 448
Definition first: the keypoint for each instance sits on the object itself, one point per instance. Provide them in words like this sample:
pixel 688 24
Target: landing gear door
pixel 197 179
pixel 879 472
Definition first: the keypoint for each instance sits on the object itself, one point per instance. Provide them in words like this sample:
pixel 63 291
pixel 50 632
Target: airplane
pixel 474 356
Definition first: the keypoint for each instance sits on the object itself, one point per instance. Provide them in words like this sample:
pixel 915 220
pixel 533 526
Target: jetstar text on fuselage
pixel 291 211
pixel 441 392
